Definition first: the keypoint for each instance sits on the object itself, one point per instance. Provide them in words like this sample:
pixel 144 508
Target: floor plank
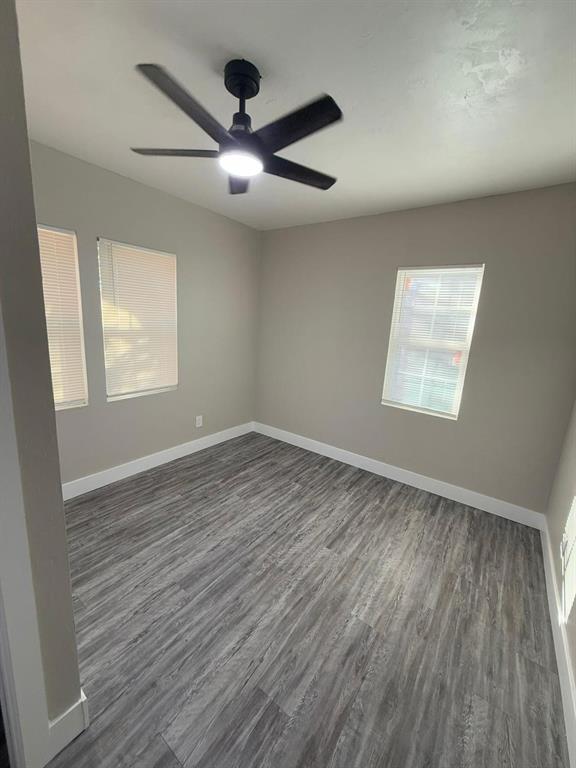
pixel 255 605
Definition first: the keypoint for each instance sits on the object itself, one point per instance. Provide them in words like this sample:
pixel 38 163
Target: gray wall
pixel 326 301
pixel 563 493
pixel 321 324
pixel 26 400
pixel 217 301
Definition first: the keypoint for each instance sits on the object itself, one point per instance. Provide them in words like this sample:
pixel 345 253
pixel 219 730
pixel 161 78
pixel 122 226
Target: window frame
pixel 152 390
pixel 69 405
pixel 387 372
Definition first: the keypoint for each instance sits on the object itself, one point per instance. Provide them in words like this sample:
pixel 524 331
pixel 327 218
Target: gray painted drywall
pixel 34 463
pixel 561 498
pixel 318 306
pixel 217 303
pixel 327 292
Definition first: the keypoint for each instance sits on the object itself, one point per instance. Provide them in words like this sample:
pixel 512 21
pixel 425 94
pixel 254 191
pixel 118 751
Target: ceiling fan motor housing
pixel 242 79
pixel 241 124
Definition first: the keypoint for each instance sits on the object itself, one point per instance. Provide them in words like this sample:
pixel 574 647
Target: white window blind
pixel 138 300
pixel 432 326
pixel 63 305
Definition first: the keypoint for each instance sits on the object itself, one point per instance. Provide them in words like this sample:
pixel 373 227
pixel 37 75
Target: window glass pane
pixel 432 326
pixel 138 302
pixel 62 302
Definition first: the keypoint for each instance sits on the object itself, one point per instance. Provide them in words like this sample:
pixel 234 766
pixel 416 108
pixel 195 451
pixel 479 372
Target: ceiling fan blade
pixel 237 186
pixel 296 125
pixel 176 152
pixel 279 166
pixel 187 103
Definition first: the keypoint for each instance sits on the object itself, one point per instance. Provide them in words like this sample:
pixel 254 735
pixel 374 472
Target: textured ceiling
pixel 442 100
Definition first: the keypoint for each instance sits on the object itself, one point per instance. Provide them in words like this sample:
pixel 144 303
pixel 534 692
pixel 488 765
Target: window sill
pixel 129 395
pixel 415 409
pixel 70 406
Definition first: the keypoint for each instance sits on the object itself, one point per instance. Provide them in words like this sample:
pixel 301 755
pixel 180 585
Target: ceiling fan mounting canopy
pixel 242 79
pixel 242 152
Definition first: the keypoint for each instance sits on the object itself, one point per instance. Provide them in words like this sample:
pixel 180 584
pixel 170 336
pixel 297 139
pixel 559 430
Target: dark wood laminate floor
pixel 258 606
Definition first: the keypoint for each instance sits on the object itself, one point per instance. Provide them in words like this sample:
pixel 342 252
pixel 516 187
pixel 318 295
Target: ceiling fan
pixel 242 152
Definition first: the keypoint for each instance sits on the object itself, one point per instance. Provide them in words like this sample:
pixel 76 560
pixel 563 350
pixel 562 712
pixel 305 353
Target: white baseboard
pixel 565 671
pixel 67 726
pixel 488 504
pixel 75 720
pixel 462 495
pixel 439 487
pixel 121 471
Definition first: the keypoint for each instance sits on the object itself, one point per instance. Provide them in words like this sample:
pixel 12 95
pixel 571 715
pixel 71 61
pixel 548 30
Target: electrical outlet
pixel 199 421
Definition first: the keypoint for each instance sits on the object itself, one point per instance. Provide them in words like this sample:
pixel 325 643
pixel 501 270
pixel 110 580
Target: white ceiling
pixel 442 99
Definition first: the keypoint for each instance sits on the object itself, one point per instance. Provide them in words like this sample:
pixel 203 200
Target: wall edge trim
pixel 68 725
pixel 121 471
pixel 565 670
pixel 439 487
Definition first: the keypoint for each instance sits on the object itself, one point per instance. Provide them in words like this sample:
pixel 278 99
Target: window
pixel 568 556
pixel 63 305
pixel 138 301
pixel 432 326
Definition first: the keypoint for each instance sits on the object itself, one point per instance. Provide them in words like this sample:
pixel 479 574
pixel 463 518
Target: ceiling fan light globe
pixel 241 164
